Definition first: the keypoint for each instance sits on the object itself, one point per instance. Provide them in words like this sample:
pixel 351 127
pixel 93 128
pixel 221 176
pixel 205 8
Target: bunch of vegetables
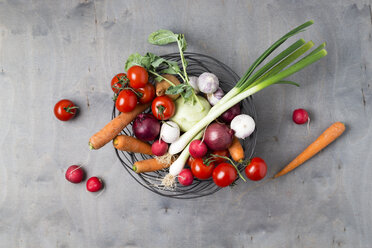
pixel 192 115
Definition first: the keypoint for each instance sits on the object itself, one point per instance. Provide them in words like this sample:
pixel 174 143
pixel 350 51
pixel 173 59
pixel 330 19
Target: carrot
pixel 131 144
pixel 236 150
pixel 327 137
pixel 163 85
pixel 149 165
pixel 114 127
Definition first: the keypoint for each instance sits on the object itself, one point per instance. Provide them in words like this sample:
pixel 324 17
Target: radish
pixel 198 149
pixel 300 116
pixel 185 177
pixel 159 148
pixel 94 184
pixel 74 174
pixel 243 125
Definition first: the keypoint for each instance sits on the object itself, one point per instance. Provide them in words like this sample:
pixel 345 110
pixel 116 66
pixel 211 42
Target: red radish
pixel 300 116
pixel 198 149
pixel 159 148
pixel 74 174
pixel 94 184
pixel 185 177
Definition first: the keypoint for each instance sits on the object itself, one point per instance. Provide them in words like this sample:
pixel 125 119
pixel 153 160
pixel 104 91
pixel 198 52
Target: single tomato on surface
pixel 65 109
pixel 118 82
pixel 126 101
pixel 201 170
pixel 256 169
pixel 163 107
pixel 147 92
pixel 138 76
pixel 224 175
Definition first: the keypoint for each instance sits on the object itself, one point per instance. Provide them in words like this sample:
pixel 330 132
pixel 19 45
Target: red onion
pixel 218 136
pixel 230 114
pixel 146 127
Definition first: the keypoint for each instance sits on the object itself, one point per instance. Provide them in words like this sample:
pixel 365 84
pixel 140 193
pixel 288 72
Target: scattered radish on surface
pixel 94 184
pixel 218 136
pixel 159 148
pixel 243 125
pixel 198 149
pixel 170 132
pixel 208 83
pixel 300 116
pixel 74 174
pixel 185 177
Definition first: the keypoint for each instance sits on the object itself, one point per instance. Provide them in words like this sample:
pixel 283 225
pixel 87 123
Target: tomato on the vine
pixel 118 82
pixel 219 160
pixel 256 169
pixel 163 107
pixel 65 109
pixel 126 101
pixel 201 170
pixel 138 76
pixel 147 93
pixel 224 174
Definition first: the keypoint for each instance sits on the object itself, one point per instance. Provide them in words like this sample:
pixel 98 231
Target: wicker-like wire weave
pixel 197 64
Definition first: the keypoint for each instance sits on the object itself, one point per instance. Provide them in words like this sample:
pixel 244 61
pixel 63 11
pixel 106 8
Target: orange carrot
pixel 149 165
pixel 163 85
pixel 131 144
pixel 236 150
pixel 114 127
pixel 329 135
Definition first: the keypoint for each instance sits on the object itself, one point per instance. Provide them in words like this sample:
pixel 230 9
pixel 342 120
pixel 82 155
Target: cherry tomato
pixel 201 170
pixel 218 160
pixel 163 107
pixel 148 93
pixel 126 101
pixel 64 110
pixel 94 184
pixel 256 169
pixel 118 82
pixel 189 161
pixel 224 175
pixel 138 76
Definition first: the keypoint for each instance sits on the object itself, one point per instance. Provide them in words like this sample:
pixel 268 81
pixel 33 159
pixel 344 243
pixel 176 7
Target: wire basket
pixel 197 64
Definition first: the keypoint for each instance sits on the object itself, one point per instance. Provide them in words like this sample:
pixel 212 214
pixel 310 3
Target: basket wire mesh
pixel 197 64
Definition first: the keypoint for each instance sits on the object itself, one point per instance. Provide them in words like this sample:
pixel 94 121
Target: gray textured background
pixel 69 49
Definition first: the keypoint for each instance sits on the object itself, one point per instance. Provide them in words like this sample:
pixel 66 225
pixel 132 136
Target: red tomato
pixel 218 160
pixel 201 170
pixel 224 175
pixel 126 101
pixel 189 161
pixel 148 93
pixel 64 110
pixel 138 76
pixel 163 107
pixel 118 82
pixel 256 169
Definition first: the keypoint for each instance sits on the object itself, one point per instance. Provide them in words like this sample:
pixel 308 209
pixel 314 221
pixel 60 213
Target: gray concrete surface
pixel 70 49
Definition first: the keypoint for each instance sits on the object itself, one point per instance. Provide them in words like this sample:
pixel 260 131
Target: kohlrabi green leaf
pixel 133 59
pixel 162 37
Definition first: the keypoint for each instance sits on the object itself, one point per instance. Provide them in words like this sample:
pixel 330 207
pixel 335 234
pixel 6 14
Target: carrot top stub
pixel 327 137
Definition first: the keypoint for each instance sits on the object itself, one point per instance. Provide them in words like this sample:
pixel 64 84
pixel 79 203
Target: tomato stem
pixel 69 109
pixel 232 163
